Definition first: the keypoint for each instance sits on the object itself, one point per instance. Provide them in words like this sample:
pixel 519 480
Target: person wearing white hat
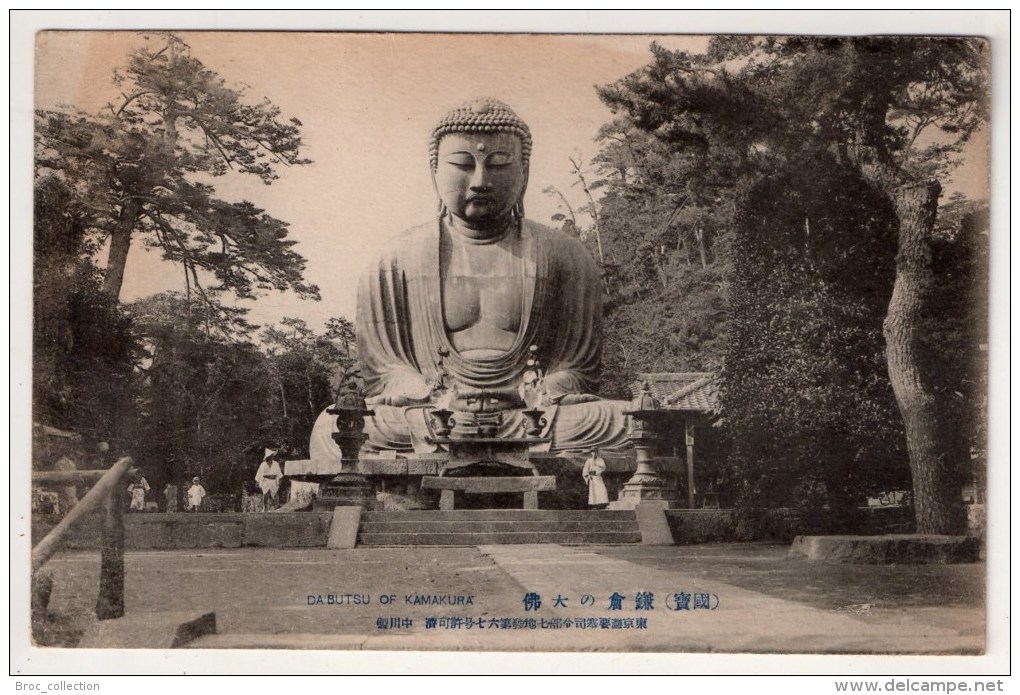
pixel 196 493
pixel 268 479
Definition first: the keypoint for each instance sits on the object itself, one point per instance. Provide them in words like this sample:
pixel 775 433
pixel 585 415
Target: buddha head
pixel 479 154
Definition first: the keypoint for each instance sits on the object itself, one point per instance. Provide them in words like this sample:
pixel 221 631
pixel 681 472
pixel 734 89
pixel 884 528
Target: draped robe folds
pixel 400 328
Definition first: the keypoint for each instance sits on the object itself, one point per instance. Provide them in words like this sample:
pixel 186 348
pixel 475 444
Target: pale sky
pixel 368 102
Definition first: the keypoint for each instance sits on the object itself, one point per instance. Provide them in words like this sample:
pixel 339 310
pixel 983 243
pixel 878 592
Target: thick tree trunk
pixel 120 244
pixel 936 458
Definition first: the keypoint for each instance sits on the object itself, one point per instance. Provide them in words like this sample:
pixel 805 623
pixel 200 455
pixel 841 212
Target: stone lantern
pixel 646 418
pixel 349 487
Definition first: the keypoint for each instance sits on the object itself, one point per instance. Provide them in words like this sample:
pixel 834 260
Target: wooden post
pixel 689 432
pixel 111 573
pixel 89 503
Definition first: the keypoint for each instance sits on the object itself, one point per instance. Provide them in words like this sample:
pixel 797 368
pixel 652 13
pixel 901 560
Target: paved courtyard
pixel 706 598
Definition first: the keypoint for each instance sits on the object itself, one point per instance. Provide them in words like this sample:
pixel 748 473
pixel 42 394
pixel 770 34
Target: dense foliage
pixel 181 381
pixel 208 403
pixel 82 347
pixel 660 230
pixel 808 155
pixel 806 397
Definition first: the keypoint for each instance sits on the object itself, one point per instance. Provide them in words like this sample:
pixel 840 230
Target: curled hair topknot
pixel 485 115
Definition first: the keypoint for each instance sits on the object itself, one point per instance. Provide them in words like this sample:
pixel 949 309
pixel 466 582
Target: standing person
pixel 592 472
pixel 268 479
pixel 137 490
pixel 67 495
pixel 196 493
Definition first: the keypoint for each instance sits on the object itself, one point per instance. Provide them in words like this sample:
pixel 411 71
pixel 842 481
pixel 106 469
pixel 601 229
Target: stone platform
pixel 409 471
pixel 155 531
pixel 896 549
pixel 619 463
pixel 498 526
pixel 317 530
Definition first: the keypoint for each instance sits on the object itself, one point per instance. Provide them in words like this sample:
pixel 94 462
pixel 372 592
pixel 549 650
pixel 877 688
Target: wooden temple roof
pixel 694 392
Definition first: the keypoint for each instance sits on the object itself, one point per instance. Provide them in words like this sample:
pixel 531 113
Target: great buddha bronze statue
pixel 458 306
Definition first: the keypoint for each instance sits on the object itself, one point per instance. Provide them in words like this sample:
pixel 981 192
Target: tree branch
pixel 211 137
pixel 129 100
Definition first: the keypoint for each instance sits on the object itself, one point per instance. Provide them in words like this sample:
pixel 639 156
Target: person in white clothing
pixel 196 493
pixel 137 490
pixel 592 472
pixel 268 479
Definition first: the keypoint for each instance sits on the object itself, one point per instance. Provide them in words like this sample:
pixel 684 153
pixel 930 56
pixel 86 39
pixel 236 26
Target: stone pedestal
pixel 489 450
pixel 476 452
pixel 652 496
pixel 644 489
pixel 529 485
pixel 345 490
pixel 645 486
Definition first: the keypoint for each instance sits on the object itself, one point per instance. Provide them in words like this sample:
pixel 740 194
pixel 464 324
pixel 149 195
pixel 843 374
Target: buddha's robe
pixel 400 328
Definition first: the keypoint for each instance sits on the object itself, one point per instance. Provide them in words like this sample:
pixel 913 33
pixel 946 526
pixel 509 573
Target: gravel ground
pixel 254 590
pixel 277 591
pixel 769 569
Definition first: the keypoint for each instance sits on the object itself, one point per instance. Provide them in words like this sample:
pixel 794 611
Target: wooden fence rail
pixel 110 492
pixel 54 477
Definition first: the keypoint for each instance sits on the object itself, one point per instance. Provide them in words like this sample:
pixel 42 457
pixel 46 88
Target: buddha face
pixel 480 176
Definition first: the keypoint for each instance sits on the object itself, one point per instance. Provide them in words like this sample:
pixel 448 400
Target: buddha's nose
pixel 480 180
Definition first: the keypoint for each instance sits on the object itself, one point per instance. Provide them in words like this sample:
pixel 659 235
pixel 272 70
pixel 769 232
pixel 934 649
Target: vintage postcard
pixel 668 342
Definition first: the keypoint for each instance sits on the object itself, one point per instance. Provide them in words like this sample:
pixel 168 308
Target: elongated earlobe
pixel 518 209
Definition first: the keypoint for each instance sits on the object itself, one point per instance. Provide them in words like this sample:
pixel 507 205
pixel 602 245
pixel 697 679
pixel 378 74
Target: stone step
pixel 502 515
pixel 497 525
pixel 501 538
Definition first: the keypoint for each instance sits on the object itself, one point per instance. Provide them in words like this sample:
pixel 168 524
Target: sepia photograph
pixel 440 341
